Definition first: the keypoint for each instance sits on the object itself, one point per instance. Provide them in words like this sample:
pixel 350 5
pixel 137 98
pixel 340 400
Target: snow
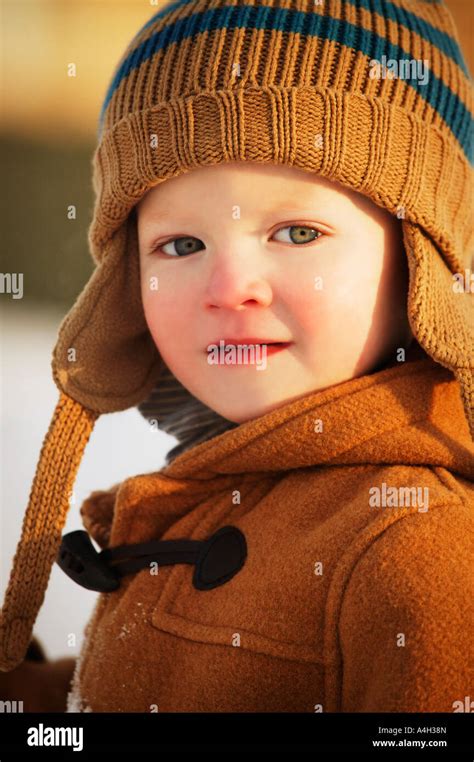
pixel 28 396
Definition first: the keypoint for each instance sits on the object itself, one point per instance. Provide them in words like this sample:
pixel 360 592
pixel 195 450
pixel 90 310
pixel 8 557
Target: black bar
pixel 346 733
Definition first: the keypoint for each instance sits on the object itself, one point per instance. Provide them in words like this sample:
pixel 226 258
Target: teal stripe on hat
pixel 439 95
pixel 423 28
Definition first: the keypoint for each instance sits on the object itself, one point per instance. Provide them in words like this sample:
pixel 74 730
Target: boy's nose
pixel 235 283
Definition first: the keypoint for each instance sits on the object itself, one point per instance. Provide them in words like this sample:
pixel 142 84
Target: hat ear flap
pixel 441 315
pixel 105 356
pixel 45 516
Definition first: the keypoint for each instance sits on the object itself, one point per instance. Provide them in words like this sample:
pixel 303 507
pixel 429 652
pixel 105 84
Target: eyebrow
pixel 291 212
pixel 168 218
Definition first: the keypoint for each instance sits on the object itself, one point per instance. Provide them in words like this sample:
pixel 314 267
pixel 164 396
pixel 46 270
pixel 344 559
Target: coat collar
pixel 409 413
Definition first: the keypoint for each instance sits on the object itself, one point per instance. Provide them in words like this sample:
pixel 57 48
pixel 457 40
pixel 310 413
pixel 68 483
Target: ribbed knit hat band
pixel 370 93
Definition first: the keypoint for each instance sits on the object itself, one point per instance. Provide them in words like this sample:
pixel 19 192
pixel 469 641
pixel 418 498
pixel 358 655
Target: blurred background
pixel 47 138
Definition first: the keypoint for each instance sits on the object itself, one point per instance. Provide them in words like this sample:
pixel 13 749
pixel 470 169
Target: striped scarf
pixel 181 415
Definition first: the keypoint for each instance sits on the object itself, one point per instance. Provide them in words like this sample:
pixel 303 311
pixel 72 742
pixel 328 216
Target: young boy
pixel 306 547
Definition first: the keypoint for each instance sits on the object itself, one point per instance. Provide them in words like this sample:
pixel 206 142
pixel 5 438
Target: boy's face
pixel 269 252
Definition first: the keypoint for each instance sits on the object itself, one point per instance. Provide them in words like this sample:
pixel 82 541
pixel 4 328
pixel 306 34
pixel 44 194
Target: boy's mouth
pixel 270 344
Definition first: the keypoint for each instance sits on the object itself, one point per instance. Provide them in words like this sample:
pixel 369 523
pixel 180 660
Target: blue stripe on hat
pixel 414 23
pixel 439 95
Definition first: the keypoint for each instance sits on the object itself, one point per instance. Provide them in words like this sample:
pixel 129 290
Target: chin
pixel 239 416
pixel 235 417
pixel 234 414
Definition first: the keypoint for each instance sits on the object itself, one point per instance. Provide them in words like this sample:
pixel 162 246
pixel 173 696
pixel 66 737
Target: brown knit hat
pixel 336 88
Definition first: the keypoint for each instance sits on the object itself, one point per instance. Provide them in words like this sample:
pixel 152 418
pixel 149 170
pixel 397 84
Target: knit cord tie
pixel 45 516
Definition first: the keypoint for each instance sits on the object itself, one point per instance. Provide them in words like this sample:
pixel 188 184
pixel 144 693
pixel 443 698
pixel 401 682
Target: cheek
pixel 333 296
pixel 166 304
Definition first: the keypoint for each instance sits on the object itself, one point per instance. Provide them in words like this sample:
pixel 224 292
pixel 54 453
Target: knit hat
pixel 334 87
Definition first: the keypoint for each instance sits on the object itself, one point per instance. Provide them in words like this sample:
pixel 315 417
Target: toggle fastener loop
pixel 216 559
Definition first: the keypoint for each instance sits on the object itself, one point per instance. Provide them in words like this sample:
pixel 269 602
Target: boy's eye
pixel 185 245
pixel 298 234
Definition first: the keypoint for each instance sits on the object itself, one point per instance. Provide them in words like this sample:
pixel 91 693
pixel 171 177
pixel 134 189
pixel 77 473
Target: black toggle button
pixel 217 559
pixel 220 558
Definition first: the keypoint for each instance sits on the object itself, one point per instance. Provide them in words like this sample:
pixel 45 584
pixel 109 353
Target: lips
pixel 271 346
pixel 247 340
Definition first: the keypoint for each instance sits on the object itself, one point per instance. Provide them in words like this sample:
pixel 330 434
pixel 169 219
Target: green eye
pixel 183 246
pixel 300 234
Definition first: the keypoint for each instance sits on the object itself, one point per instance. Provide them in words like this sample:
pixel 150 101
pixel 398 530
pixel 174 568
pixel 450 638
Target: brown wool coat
pixel 340 605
